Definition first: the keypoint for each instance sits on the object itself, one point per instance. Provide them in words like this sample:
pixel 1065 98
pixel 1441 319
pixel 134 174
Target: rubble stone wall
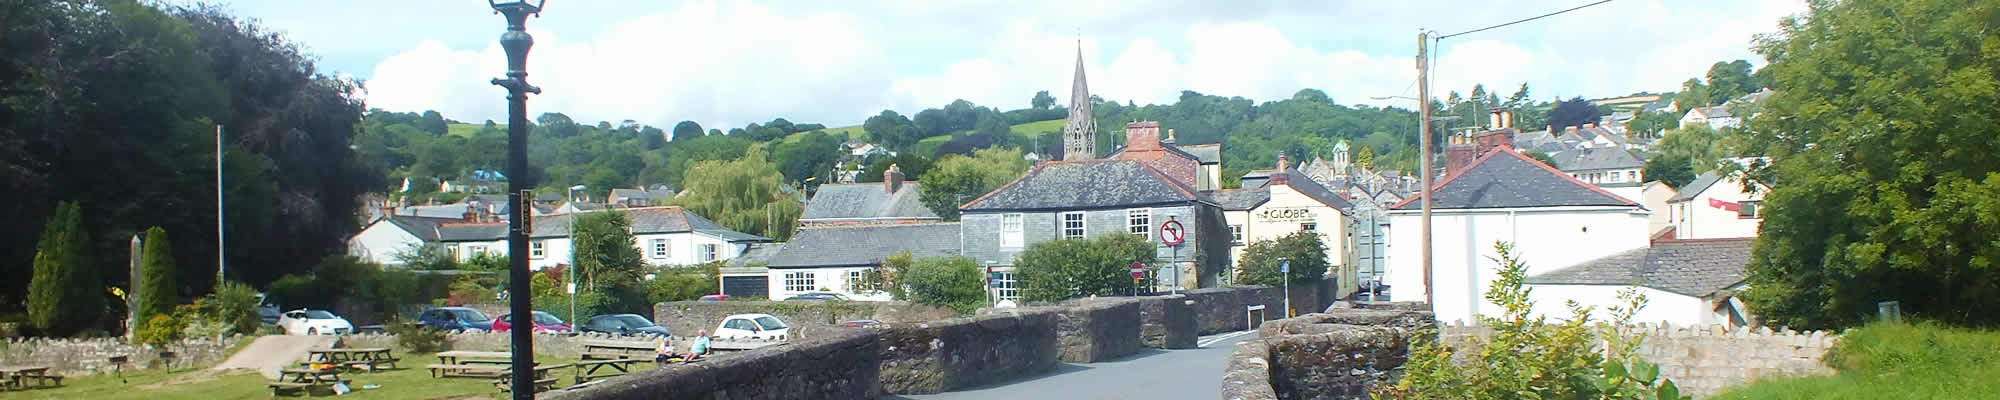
pixel 937 356
pixel 1092 330
pixel 837 364
pixel 93 356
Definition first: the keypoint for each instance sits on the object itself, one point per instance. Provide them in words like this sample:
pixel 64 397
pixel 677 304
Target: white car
pixel 313 322
pixel 756 326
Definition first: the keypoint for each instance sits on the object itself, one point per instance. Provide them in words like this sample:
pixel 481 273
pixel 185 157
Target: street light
pixel 516 41
pixel 570 236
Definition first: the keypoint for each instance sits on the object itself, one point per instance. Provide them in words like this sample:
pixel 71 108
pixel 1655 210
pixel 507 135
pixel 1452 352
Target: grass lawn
pixel 1028 130
pixel 1896 361
pixel 465 130
pixel 413 381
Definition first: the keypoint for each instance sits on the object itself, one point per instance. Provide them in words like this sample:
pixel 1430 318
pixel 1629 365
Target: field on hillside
pixel 464 130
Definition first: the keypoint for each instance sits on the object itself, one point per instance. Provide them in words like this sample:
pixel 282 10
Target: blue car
pixel 456 319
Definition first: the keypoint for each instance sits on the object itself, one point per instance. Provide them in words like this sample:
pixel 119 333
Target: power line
pixel 1525 20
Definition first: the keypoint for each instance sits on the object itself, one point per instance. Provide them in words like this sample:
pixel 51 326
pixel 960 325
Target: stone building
pixel 1080 199
pixel 1289 202
pixel 1080 131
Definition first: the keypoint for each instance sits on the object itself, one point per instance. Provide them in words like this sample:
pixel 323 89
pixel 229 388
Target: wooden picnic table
pixel 303 379
pixel 477 357
pixel 542 380
pixel 17 377
pixel 372 357
pixel 602 350
pixel 472 363
pixel 587 369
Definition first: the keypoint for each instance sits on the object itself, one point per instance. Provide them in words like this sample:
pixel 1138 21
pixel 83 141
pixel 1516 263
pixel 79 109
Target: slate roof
pixel 1691 267
pixel 1205 153
pixel 1715 112
pixel 1507 179
pixel 452 211
pixel 1307 186
pixel 866 201
pixel 472 232
pixel 1598 159
pixel 861 245
pixel 641 194
pixel 1092 184
pixel 1694 189
pixel 423 227
pixel 758 253
pixel 1238 199
pixel 644 220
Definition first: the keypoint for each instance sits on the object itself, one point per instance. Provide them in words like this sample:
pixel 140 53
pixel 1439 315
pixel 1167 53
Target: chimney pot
pixel 892 179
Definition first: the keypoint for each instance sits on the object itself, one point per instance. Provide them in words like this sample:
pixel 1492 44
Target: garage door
pixel 747 286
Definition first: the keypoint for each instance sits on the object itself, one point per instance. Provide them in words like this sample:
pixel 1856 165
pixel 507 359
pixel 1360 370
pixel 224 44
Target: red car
pixel 715 297
pixel 544 322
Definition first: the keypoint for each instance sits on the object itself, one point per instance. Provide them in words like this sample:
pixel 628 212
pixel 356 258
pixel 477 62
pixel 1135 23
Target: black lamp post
pixel 517 42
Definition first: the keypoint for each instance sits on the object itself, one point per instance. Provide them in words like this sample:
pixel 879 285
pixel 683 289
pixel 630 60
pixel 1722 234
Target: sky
pixel 728 63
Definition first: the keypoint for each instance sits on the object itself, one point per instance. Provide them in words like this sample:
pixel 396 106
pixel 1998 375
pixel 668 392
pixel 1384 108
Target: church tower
pixel 1080 132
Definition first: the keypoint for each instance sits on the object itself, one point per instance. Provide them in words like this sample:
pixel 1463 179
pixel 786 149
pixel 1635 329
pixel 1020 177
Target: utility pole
pixel 1424 135
pixel 516 42
pixel 221 257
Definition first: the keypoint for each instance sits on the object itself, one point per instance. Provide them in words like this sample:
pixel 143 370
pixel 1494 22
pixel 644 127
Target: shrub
pixel 588 303
pixel 415 337
pixel 160 331
pixel 64 295
pixel 235 305
pixel 952 282
pixel 1527 357
pixel 157 291
pixel 1259 264
pixel 682 283
pixel 1053 270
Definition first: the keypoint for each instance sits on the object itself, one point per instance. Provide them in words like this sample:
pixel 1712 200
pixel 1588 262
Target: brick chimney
pixel 892 179
pixel 471 214
pixel 1458 153
pixel 1279 176
pixel 1142 136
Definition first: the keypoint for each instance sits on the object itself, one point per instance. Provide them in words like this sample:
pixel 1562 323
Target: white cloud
pixel 726 63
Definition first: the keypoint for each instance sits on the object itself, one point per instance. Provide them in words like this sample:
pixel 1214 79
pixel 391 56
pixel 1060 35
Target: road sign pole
pixel 1285 270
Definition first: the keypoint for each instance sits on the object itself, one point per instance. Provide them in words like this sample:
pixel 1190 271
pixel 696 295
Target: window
pixel 707 251
pixel 1141 221
pixel 1632 176
pixel 1010 231
pixel 1003 286
pixel 1073 225
pixel 854 279
pixel 474 251
pixel 799 282
pixel 1236 233
pixel 1747 209
pixel 535 249
pixel 660 248
pixel 1309 227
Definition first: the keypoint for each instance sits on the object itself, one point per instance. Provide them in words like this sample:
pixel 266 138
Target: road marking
pixel 1217 338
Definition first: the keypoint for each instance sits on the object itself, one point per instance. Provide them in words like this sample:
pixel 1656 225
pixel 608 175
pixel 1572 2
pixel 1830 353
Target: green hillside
pixel 463 130
pixel 1032 128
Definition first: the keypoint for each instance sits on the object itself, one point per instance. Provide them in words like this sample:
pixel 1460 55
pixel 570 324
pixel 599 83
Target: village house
pixel 1685 282
pixel 892 201
pixel 1716 117
pixel 1602 165
pixel 1717 205
pixel 663 236
pixel 1552 220
pixel 1289 202
pixel 836 258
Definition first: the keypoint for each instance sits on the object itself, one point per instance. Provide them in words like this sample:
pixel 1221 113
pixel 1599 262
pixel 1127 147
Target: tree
pixel 1884 171
pixel 1574 112
pixel 605 252
pixel 888 277
pixel 156 286
pixel 1729 80
pixel 954 282
pixel 1693 94
pixel 558 124
pixel 65 294
pixel 1260 262
pixel 1052 270
pixel 957 179
pixel 1652 123
pixel 433 122
pixel 1704 149
pixel 805 157
pixel 686 130
pixel 1538 155
pixel 892 130
pixel 1673 170
pixel 1365 158
pixel 1043 101
pixel 744 194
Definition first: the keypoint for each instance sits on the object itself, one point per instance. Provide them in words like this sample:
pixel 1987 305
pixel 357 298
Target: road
pixel 1149 374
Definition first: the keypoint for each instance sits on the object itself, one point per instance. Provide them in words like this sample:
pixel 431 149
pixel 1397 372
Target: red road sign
pixel 1138 271
pixel 1172 234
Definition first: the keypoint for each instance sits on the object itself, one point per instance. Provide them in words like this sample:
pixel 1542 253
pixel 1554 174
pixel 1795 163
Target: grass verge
pixel 412 381
pixel 1896 361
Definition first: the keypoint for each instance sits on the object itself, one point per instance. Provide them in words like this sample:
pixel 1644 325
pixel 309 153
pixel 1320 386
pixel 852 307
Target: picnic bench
pixel 587 369
pixel 304 380
pixel 370 358
pixel 542 380
pixel 604 350
pixel 18 377
pixel 471 363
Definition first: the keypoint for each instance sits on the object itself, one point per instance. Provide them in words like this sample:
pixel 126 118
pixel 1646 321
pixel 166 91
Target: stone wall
pixel 1343 354
pixel 1220 310
pixel 93 356
pixel 836 364
pixel 1092 330
pixel 1167 322
pixel 1703 360
pixel 565 346
pixel 936 356
pixel 805 317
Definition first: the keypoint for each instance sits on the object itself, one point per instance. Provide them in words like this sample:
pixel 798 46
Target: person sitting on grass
pixel 665 353
pixel 699 349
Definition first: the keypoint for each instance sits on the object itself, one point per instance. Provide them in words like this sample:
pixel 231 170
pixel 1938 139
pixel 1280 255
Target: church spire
pixel 1080 131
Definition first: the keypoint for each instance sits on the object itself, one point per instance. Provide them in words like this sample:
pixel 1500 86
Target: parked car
pixel 817 296
pixel 267 311
pixel 757 326
pixel 544 323
pixel 624 324
pixel 314 322
pixel 456 319
pixel 715 297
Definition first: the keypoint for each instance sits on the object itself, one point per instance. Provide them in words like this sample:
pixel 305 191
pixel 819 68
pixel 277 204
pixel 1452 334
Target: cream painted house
pixel 1653 195
pixel 1288 203
pixel 1717 205
pixel 663 235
